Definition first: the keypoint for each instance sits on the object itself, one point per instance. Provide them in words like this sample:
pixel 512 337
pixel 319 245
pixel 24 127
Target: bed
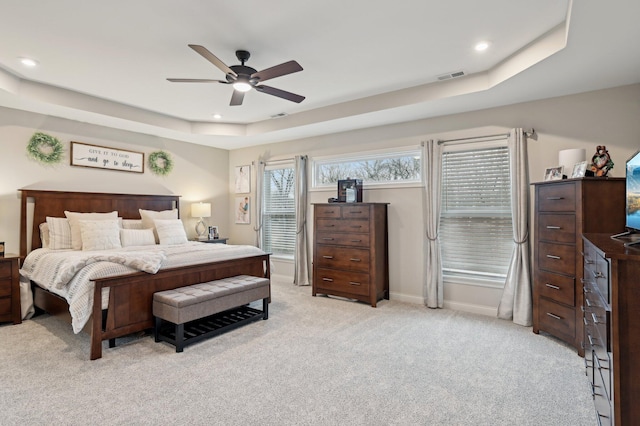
pixel 129 306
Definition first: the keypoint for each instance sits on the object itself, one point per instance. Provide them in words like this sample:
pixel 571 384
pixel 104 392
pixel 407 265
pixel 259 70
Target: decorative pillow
pixel 75 218
pixel 148 217
pixel 100 234
pixel 44 234
pixel 132 224
pixel 59 233
pixel 170 231
pixel 137 237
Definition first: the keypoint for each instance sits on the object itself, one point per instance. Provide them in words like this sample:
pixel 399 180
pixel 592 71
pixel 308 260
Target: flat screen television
pixel 633 192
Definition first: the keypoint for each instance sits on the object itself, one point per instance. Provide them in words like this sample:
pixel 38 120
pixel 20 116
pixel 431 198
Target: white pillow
pixel 59 233
pixel 75 218
pixel 170 231
pixel 44 234
pixel 100 234
pixel 148 216
pixel 132 224
pixel 137 237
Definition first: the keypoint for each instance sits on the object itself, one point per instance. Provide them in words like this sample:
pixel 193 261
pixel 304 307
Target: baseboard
pixel 406 298
pixel 474 309
pixel 282 278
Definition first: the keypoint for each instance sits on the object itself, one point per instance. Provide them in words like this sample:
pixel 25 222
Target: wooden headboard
pixel 54 203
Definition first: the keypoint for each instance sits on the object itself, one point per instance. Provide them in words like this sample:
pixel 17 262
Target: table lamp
pixel 201 210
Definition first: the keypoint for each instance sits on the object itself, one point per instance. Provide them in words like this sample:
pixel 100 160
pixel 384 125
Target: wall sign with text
pixel 100 157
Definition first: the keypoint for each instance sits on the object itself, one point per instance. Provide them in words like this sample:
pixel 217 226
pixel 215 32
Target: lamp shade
pixel 201 210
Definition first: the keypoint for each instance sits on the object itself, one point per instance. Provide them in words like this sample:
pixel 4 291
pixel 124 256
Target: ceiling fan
pixel 244 78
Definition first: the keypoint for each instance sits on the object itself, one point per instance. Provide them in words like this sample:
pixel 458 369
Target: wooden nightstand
pixel 215 241
pixel 10 289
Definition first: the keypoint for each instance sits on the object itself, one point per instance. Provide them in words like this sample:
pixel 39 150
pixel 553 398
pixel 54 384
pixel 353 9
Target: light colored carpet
pixel 316 361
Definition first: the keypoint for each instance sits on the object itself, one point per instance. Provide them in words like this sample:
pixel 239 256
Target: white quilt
pixel 69 273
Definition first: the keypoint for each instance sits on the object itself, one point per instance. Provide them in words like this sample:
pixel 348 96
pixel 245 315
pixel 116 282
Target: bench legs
pixel 265 308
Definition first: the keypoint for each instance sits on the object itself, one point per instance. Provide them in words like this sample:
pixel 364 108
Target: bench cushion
pixel 196 301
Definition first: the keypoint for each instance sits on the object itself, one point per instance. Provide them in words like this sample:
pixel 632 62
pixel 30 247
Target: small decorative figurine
pixel 601 161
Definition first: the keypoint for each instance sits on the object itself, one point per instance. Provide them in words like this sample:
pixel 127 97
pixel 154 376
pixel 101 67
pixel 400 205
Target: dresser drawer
pixel 5 287
pixel 5 269
pixel 560 288
pixel 352 240
pixel 328 211
pixel 557 258
pixel 340 281
pixel 557 228
pixel 557 198
pixel 557 319
pixel 337 225
pixel 351 259
pixel 355 212
pixel 5 306
pixel 601 277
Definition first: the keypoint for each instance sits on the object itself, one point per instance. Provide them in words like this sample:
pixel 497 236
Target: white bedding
pixel 69 273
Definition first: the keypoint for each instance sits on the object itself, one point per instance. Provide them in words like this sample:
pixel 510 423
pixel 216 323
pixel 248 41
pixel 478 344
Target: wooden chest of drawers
pixel 350 255
pixel 10 289
pixel 564 210
pixel 612 328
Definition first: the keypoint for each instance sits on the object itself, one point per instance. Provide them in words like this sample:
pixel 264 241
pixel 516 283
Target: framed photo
pixel 579 169
pixel 214 232
pixel 553 173
pixel 243 210
pixel 243 179
pixel 100 157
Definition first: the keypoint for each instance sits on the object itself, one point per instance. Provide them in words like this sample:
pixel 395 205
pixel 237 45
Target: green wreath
pixel 45 148
pixel 160 163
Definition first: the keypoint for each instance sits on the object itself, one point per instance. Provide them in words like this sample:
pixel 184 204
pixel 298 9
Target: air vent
pixel 451 75
pixel 280 115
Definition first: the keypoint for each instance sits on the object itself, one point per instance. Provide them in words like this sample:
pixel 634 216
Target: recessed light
pixel 217 116
pixel 482 46
pixel 28 62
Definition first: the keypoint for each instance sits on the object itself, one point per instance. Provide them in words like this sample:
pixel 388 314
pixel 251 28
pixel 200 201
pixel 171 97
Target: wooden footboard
pixel 131 296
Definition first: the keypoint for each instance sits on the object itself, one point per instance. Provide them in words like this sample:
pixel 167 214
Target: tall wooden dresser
pixel 564 210
pixel 10 288
pixel 612 328
pixel 350 251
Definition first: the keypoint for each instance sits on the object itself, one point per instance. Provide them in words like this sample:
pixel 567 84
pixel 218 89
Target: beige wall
pixel 607 117
pixel 199 174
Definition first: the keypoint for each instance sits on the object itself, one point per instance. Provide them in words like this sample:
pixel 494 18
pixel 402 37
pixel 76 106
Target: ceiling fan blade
pixel 280 93
pixel 236 98
pixel 195 80
pixel 213 59
pixel 277 71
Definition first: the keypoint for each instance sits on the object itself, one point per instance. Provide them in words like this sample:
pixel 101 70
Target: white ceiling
pixel 366 62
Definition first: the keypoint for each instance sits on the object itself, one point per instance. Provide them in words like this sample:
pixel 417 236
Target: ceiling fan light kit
pixel 244 78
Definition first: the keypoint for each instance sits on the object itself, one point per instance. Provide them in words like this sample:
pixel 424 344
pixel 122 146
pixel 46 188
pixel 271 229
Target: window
pixel 279 211
pixel 475 223
pixel 374 168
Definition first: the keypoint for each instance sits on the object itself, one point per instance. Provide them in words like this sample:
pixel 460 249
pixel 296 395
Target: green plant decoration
pixel 45 148
pixel 160 163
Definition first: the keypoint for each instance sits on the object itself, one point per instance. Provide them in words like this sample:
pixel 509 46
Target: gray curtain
pixel 516 302
pixel 433 282
pixel 259 195
pixel 301 258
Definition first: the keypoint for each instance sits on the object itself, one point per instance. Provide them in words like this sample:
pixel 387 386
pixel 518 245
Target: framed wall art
pixel 243 179
pixel 243 210
pixel 100 157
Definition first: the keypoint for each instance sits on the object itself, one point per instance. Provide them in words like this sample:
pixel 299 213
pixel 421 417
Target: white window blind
pixel 279 214
pixel 476 233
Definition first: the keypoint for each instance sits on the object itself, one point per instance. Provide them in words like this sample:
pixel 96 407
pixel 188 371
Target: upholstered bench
pixel 189 314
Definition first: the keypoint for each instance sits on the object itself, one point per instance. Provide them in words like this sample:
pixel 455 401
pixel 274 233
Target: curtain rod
pixel 529 133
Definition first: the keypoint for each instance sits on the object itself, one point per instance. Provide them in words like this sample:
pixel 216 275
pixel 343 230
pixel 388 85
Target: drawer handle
pixel 597 274
pixel 555 287
pixel 553 227
pixel 353 259
pixel 356 241
pixel 588 261
pixel 591 339
pixel 555 198
pixel 584 320
pixel 330 226
pixel 588 302
pixel 599 366
pixel 328 279
pixel 328 257
pixel 359 212
pixel 328 239
pixel 353 283
pixel 551 256
pixel 554 316
pixel 595 318
pixel 356 226
pixel 593 390
pixel 598 417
